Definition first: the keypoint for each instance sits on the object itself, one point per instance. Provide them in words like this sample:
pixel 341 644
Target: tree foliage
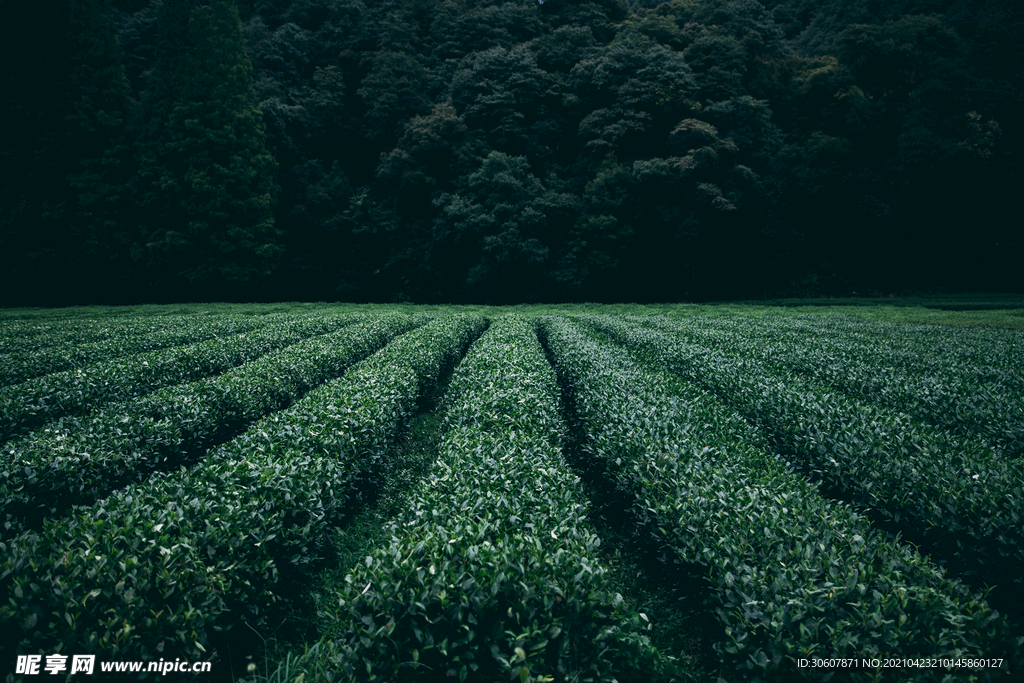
pixel 205 183
pixel 64 106
pixel 512 150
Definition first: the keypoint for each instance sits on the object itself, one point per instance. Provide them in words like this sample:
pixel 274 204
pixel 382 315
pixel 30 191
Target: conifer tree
pixel 206 181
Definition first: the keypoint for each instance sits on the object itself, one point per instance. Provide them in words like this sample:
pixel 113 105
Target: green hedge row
pixel 972 401
pixel 791 574
pixel 78 460
pixel 151 570
pixel 984 355
pixel 18 336
pixel 959 497
pixel 17 367
pixel 29 404
pixel 491 573
pixel 982 347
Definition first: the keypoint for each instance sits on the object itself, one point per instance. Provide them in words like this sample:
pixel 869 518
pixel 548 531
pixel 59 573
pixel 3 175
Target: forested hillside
pixel 507 151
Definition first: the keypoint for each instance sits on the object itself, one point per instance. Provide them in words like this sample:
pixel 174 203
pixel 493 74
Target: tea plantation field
pixel 566 493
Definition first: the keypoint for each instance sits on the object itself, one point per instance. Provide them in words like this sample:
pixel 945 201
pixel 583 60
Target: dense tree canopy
pixel 508 150
pixel 63 163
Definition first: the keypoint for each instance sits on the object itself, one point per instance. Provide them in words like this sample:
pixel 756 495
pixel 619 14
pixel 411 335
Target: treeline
pixel 505 151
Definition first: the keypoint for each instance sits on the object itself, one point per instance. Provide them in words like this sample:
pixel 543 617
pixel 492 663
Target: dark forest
pixel 507 151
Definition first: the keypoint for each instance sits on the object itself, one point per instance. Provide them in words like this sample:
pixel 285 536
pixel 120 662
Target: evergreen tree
pixel 603 233
pixel 206 181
